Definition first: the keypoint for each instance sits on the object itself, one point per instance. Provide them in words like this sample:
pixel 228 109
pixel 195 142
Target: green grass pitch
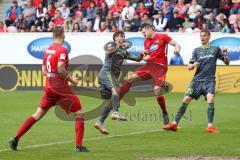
pixel 139 138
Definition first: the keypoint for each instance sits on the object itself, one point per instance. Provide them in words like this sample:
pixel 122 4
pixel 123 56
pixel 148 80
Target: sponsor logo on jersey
pixel 153 47
pixel 206 56
pixel 232 44
pixel 37 47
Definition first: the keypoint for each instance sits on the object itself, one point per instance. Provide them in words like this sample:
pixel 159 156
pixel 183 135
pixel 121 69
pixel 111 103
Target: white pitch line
pixel 87 139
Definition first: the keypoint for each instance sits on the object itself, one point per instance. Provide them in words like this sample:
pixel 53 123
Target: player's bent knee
pixel 157 90
pixel 114 90
pixel 133 78
pixel 79 114
pixel 210 98
pixel 187 99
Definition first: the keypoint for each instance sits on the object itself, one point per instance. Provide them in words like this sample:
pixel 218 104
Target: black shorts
pixel 107 81
pixel 197 88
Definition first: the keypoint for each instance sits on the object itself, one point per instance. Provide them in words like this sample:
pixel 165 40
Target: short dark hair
pixel 116 34
pixel 58 31
pixel 206 31
pixel 146 25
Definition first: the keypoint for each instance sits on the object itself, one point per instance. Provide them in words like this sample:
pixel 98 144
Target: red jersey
pixel 115 10
pixel 58 21
pixel 54 54
pixel 142 12
pixel 157 47
pixel 36 3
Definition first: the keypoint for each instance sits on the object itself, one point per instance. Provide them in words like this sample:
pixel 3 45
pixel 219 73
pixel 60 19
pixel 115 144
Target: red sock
pixel 79 130
pixel 25 127
pixel 161 102
pixel 124 88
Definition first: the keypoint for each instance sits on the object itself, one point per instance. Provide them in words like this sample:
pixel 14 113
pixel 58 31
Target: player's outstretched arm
pixel 176 45
pixel 136 58
pixel 62 70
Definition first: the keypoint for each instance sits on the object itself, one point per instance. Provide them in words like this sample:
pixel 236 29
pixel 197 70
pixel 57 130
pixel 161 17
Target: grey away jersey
pixel 206 58
pixel 113 62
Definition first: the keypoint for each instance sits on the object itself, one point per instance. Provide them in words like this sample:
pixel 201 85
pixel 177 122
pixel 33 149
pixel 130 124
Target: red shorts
pixel 67 101
pixel 155 71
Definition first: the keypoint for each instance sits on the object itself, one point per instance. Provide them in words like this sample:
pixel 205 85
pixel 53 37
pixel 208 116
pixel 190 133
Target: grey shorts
pixel 107 81
pixel 196 89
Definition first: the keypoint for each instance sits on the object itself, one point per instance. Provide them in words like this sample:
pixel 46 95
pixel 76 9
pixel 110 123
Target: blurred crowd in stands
pixel 126 15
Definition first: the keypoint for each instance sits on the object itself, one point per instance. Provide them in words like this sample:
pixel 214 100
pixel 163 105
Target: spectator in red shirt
pixel 36 3
pixel 116 9
pixel 12 13
pixel 182 9
pixel 225 6
pixel 86 3
pixel 51 10
pixel 58 20
pixel 122 3
pixel 98 3
pixel 236 7
pixel 141 9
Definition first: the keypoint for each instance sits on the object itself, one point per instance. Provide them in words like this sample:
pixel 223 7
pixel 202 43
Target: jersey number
pixel 49 69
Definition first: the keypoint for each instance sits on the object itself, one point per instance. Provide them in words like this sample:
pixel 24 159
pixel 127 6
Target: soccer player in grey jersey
pixel 116 53
pixel 204 58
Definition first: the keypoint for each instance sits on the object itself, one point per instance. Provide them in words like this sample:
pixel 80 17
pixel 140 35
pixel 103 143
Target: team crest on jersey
pixel 211 51
pixel 157 41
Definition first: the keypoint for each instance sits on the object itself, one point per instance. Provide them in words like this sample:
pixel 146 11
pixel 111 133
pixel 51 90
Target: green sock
pixel 210 112
pixel 181 111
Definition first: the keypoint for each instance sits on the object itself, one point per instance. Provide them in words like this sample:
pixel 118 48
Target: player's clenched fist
pixel 224 51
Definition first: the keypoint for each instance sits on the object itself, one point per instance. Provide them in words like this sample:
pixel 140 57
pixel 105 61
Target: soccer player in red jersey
pixel 57 91
pixel 155 49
